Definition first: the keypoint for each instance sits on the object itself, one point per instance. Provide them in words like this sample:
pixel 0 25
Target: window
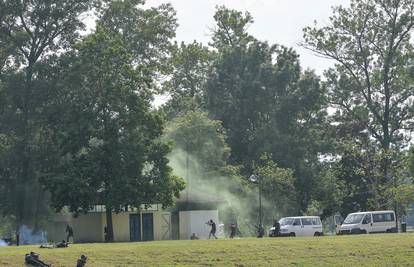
pixel 316 221
pixel 296 222
pixel 383 217
pixel 306 221
pixel 286 221
pixel 353 218
pixel 367 219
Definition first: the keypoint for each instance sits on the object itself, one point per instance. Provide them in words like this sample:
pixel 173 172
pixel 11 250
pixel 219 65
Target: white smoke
pixel 28 237
pixel 3 243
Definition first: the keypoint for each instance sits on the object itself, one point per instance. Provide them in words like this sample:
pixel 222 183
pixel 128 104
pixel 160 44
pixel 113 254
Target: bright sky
pixel 277 21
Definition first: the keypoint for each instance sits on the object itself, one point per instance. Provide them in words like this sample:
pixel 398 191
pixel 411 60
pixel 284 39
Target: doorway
pixel 135 227
pixel 147 227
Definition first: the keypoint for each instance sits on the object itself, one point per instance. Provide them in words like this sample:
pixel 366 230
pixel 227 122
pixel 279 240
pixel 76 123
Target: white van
pixel 300 226
pixel 369 222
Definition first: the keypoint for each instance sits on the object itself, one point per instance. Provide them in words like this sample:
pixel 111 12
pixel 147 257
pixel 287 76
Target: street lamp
pixel 254 178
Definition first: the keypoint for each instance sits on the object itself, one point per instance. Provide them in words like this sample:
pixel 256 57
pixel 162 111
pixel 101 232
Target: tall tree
pixel 371 85
pixel 266 102
pixel 372 80
pixel 146 33
pixel 185 86
pixel 32 30
pixel 114 156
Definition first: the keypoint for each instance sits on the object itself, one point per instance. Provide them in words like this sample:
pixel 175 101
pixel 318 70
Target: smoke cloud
pixel 29 237
pixel 3 243
pixel 237 200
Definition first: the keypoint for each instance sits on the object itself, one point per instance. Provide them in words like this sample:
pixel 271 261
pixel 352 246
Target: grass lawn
pixel 362 250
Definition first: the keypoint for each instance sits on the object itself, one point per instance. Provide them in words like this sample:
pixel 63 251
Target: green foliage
pixel 410 161
pixel 32 32
pixel 145 32
pixel 278 188
pixel 266 103
pixel 190 65
pixel 113 156
pixel 331 190
pixel 202 138
pixel 370 89
pixel 372 80
pixel 231 30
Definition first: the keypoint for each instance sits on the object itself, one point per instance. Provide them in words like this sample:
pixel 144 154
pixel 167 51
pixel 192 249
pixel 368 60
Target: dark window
pixel 306 221
pixel 296 222
pixel 316 221
pixel 383 217
pixel 367 219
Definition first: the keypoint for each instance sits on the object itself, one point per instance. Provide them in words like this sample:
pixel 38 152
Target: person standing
pixel 276 230
pixel 213 229
pixel 69 231
pixel 232 230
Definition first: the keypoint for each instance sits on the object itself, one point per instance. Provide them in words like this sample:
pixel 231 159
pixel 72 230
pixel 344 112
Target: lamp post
pixel 254 178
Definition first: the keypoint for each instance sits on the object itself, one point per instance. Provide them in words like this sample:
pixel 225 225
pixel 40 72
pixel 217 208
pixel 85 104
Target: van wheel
pixel 363 231
pixel 292 234
pixel 317 234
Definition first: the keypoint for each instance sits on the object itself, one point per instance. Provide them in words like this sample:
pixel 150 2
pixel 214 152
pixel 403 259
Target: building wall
pixel 120 223
pixel 162 225
pixel 89 228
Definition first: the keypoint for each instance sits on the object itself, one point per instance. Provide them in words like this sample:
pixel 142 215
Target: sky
pixel 275 21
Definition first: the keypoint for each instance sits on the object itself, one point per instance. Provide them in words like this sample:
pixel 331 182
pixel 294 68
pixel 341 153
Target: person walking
pixel 213 229
pixel 69 231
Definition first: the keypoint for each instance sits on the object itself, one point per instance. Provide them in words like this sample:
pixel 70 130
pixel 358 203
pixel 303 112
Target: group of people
pixel 233 228
pixel 211 223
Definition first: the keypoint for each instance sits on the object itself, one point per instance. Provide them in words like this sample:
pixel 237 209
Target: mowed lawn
pixel 362 250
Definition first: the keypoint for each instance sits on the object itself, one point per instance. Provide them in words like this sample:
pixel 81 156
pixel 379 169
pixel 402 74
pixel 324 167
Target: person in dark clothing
pixel 81 261
pixel 233 230
pixel 213 229
pixel 106 233
pixel 69 231
pixel 33 259
pixel 260 230
pixel 276 225
pixel 62 244
pixel 193 237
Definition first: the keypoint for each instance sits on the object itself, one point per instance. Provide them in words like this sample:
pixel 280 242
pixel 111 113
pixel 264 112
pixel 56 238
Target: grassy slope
pixel 363 250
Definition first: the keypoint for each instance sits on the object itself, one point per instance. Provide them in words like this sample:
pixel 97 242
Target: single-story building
pixel 152 223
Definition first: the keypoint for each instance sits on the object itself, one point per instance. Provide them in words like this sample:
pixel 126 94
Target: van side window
pixel 367 219
pixel 383 217
pixel 296 222
pixel 316 221
pixel 306 221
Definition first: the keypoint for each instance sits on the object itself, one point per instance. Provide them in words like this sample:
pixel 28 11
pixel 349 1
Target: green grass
pixel 362 250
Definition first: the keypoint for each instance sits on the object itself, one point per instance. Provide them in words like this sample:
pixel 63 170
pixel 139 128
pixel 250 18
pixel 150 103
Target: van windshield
pixel 286 221
pixel 353 218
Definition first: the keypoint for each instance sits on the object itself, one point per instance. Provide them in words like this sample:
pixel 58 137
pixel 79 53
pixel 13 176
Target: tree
pixel 371 85
pixel 278 188
pixel 114 156
pixel 202 138
pixel 201 155
pixel 266 102
pixel 190 64
pixel 32 31
pixel 146 33
pixel 231 29
pixel 372 79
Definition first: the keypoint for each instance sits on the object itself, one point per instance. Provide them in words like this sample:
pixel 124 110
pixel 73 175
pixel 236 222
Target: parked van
pixel 369 222
pixel 300 226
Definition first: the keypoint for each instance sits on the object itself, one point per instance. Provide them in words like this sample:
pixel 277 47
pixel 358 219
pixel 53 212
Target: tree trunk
pixel 109 225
